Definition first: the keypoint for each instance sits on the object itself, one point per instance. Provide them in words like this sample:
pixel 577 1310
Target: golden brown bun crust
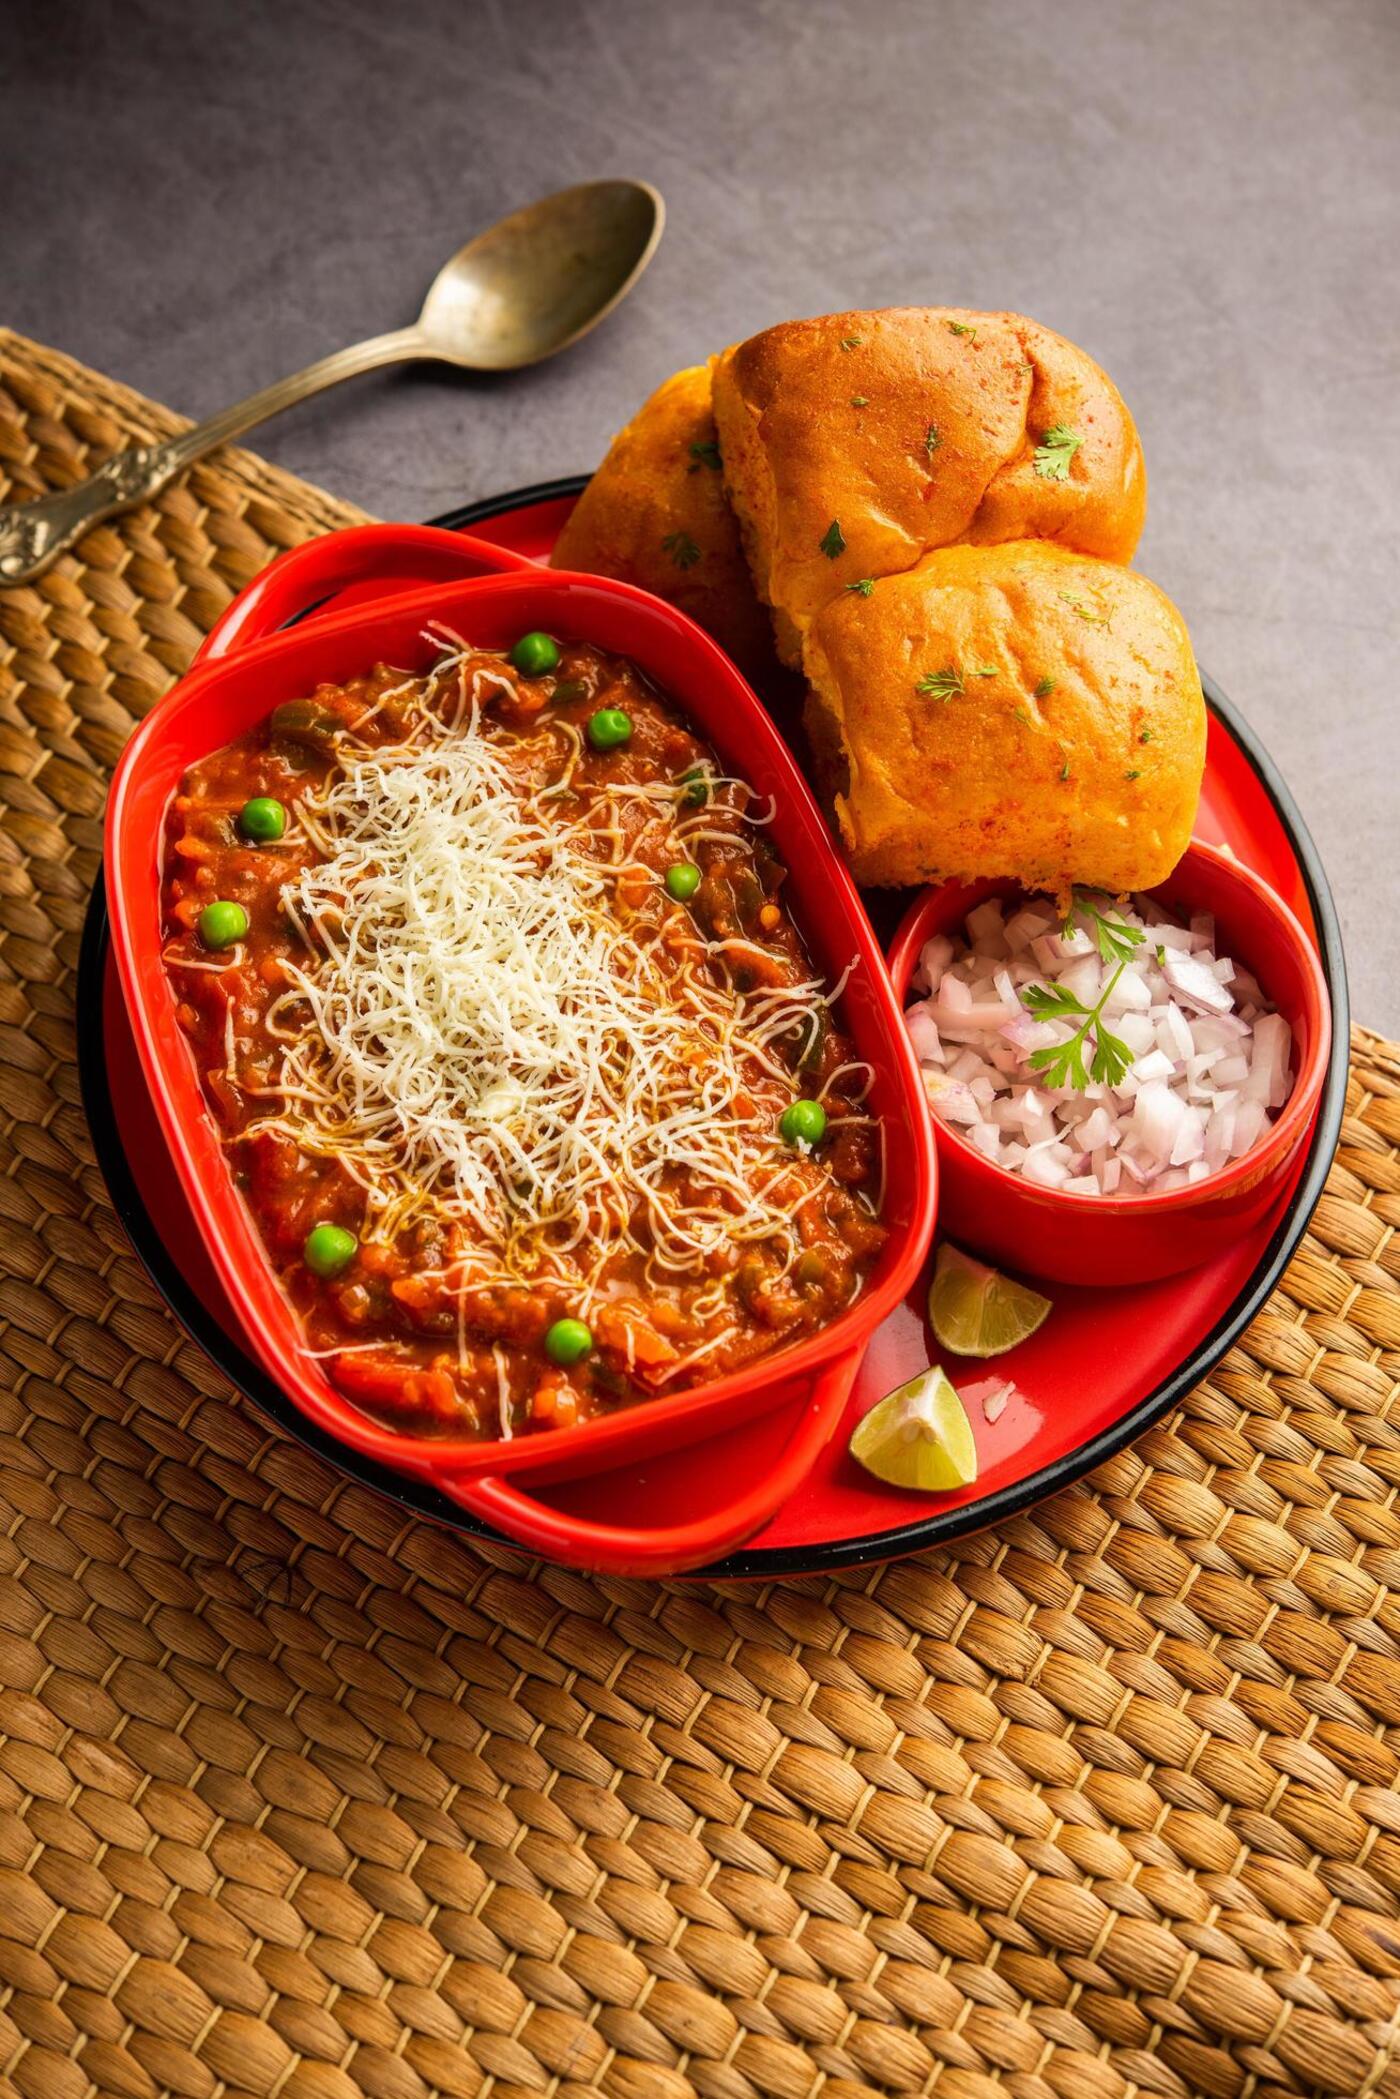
pixel 912 429
pixel 1100 505
pixel 1078 759
pixel 655 515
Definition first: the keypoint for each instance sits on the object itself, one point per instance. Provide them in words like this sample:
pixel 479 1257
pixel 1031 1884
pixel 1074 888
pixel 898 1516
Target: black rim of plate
pixel 910 1537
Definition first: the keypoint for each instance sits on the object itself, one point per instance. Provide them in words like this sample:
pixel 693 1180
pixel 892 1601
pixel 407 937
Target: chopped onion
pixel 1097 1130
pixel 1129 995
pixel 1208 1062
pixel 984 925
pixel 923 1033
pixel 959 1022
pixel 933 960
pixel 989 1393
pixel 949 1097
pixel 1250 1118
pixel 1268 1069
pixel 1137 1030
pixel 1084 977
pixel 1157 1112
pixel 1196 984
pixel 1043 1170
pixel 1027 925
pixel 1174 1037
pixel 1190 1141
pixel 1023 1033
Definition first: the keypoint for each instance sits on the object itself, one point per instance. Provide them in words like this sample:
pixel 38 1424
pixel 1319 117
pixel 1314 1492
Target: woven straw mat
pixel 299 1797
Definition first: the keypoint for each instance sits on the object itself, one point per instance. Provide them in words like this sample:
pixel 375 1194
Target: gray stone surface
pixel 1205 193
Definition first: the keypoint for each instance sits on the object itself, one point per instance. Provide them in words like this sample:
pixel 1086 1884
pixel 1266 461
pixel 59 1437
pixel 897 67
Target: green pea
pixel 222 924
pixel 803 1123
pixel 567 1342
pixel 682 881
pixel 696 783
pixel 263 820
pixel 328 1249
pixel 609 729
pixel 534 654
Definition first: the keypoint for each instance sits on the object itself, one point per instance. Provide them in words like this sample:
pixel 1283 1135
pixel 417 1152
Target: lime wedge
pixel 975 1311
pixel 919 1436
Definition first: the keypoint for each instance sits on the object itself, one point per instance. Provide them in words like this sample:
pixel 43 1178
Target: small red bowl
pixel 245 671
pixel 1138 1238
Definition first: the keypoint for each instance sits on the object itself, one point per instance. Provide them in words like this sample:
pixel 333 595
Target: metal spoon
pixel 523 290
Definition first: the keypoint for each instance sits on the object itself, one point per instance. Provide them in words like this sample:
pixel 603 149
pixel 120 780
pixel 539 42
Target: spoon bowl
pixel 536 281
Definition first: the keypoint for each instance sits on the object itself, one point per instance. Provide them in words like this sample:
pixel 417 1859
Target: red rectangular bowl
pixel 241 676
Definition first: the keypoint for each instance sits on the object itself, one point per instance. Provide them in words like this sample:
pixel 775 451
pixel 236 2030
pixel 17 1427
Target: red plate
pixel 1105 1364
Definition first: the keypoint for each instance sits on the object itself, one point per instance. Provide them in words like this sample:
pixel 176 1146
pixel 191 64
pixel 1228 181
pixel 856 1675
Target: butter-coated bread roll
pixel 856 443
pixel 655 514
pixel 1014 710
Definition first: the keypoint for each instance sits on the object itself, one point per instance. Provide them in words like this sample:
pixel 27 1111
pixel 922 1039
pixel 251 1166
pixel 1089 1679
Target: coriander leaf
pixel 864 587
pixel 1114 937
pixel 852 342
pixel 682 549
pixel 1053 454
pixel 1146 736
pixel 1133 775
pixel 984 670
pixel 1052 1001
pixel 1094 619
pixel 568 689
pixel 1116 940
pixel 1062 1063
pixel 1112 1059
pixel 1064 770
pixel 960 328
pixel 932 440
pixel 1044 689
pixel 860 400
pixel 833 541
pixel 705 452
pixel 940 685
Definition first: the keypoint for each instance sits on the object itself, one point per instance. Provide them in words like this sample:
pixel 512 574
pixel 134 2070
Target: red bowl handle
pixel 378 561
pixel 608 1548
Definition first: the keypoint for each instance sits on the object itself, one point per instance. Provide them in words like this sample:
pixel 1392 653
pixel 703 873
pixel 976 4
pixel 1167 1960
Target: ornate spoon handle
pixel 34 534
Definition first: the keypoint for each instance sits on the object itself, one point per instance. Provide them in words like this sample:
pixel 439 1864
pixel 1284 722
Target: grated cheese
pixel 482 1034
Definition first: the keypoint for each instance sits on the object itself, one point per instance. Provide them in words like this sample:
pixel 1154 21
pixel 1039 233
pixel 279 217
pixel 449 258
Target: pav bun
pixel 655 514
pixel 856 443
pixel 1016 710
